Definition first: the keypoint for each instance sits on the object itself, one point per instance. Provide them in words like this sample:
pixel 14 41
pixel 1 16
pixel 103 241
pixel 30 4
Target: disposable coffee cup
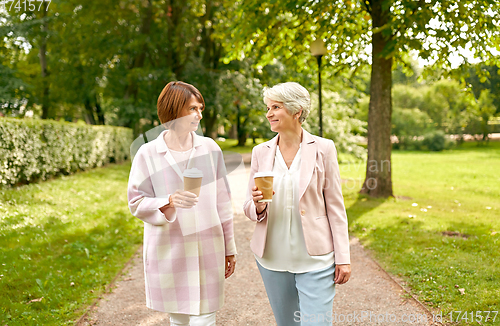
pixel 264 182
pixel 192 180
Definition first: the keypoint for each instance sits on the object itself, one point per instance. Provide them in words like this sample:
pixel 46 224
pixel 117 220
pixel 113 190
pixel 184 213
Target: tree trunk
pixel 209 119
pixel 210 61
pixel 98 110
pixel 232 132
pixel 174 14
pixel 139 60
pixel 46 111
pixel 242 138
pixel 89 112
pixel 378 182
pixel 242 134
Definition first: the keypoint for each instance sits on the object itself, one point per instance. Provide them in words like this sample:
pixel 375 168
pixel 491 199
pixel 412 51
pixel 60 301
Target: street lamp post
pixel 318 50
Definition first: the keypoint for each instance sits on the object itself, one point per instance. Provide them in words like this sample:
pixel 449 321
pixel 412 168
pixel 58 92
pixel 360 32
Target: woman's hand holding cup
pixel 256 196
pixel 183 199
pixel 262 192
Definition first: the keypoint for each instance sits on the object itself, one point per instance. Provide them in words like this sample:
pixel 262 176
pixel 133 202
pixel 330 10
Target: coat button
pixel 302 212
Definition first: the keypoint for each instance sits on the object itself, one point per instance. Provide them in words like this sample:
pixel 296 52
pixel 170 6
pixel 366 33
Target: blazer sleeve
pixel 224 205
pixel 142 201
pixel 249 205
pixel 335 208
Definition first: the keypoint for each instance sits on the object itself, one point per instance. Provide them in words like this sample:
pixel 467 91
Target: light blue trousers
pixel 300 298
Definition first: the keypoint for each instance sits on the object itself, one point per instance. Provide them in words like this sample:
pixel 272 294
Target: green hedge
pixel 32 150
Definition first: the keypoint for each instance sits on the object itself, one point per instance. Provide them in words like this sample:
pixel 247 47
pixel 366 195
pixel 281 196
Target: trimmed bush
pixel 436 141
pixel 32 150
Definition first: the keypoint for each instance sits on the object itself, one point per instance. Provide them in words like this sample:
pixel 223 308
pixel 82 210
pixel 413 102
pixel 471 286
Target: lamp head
pixel 318 47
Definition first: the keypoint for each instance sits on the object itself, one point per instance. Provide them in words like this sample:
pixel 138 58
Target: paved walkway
pixel 371 297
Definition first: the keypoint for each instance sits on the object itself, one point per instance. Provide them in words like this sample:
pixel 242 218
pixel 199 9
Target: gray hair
pixel 294 97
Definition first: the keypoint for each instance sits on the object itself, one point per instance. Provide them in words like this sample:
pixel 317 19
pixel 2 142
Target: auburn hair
pixel 174 98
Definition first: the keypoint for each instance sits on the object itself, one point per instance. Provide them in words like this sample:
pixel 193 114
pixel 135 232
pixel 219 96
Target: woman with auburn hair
pixel 301 240
pixel 189 246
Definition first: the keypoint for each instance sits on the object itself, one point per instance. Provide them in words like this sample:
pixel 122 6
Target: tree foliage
pixel 107 61
pixel 379 32
pixel 481 114
pixel 339 124
pixel 241 102
pixel 484 77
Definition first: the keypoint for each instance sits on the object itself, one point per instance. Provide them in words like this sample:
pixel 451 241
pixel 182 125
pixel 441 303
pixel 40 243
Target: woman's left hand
pixel 342 273
pixel 230 265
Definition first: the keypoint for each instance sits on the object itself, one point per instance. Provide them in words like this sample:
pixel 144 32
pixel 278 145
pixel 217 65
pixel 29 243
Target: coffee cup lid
pixel 263 174
pixel 193 173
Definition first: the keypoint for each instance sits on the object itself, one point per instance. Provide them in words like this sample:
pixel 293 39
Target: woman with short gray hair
pixel 301 240
pixel 293 96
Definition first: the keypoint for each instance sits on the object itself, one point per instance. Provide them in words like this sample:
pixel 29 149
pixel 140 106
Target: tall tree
pixel 489 79
pixel 68 60
pixel 77 70
pixel 14 94
pixel 377 32
pixel 113 66
pixel 27 27
pixel 240 96
pixel 42 54
pixel 163 41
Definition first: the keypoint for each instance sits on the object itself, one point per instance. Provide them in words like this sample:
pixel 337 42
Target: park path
pixel 371 297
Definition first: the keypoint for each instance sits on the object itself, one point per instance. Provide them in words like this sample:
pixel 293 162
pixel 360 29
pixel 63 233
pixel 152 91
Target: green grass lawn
pixel 444 234
pixel 63 240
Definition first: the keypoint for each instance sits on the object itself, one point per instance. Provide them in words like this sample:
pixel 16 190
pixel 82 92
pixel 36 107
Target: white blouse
pixel 285 245
pixel 181 158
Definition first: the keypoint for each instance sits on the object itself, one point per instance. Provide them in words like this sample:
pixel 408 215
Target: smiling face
pixel 279 118
pixel 189 117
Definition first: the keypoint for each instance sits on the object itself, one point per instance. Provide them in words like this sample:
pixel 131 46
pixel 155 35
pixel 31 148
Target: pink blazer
pixel 321 205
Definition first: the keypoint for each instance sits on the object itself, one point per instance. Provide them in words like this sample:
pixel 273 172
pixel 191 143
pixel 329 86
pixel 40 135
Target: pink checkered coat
pixel 185 249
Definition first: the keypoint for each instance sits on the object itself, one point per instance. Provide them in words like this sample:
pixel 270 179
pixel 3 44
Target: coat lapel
pixel 173 164
pixel 308 161
pixel 269 154
pixel 161 147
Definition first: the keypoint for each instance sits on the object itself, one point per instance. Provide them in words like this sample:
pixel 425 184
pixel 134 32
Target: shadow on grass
pixel 363 205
